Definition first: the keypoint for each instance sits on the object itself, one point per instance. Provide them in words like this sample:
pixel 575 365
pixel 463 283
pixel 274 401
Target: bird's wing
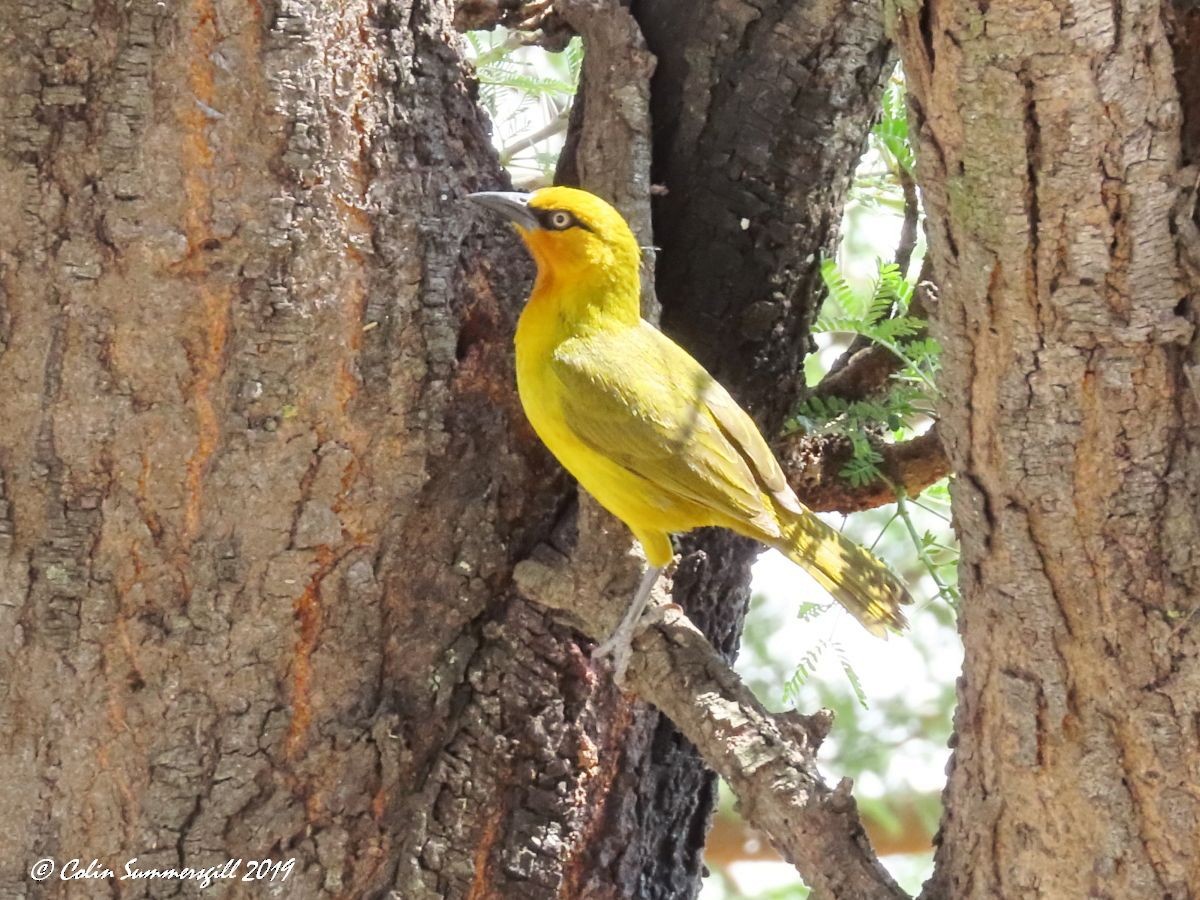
pixel 643 402
pixel 741 430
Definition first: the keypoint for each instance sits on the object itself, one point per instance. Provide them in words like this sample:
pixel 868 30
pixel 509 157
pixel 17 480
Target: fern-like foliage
pixel 881 316
pixel 889 152
pixel 527 92
pixel 813 657
pixel 804 670
pixel 890 133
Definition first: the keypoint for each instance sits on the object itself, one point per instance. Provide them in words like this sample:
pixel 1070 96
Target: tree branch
pixel 812 466
pixel 866 367
pixel 557 125
pixel 768 760
pixel 857 374
pixel 912 215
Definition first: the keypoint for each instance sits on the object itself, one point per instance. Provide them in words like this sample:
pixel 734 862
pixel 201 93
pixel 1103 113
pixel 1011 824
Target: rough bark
pixel 264 479
pixel 760 114
pixel 264 473
pixel 1060 225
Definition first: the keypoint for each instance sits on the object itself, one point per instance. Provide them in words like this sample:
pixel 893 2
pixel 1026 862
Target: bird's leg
pixel 618 644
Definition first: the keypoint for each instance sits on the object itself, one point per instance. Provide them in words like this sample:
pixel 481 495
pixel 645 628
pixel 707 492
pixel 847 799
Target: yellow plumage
pixel 642 426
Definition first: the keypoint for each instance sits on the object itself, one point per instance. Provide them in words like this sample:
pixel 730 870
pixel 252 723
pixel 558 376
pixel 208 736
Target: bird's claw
pixel 619 645
pixel 619 648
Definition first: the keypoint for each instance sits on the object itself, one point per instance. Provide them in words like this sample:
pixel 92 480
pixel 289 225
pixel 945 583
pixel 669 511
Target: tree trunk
pixel 264 477
pixel 1061 229
pixel 264 473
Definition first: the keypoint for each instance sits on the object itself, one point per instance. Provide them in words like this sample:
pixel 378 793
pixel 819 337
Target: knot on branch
pixel 809 730
pixel 590 590
pixel 841 799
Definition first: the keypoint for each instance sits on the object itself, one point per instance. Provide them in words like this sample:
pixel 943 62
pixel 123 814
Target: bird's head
pixel 574 236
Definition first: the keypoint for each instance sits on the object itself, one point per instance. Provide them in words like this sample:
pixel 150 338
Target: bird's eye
pixel 560 219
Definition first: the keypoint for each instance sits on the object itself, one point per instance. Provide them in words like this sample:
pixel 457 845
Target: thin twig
pixel 912 215
pixel 944 590
pixel 875 367
pixel 557 125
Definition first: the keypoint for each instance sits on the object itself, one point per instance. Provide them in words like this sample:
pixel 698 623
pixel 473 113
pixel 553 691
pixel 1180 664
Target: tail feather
pixel 866 587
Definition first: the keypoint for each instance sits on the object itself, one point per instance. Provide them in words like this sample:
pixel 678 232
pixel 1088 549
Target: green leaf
pixel 839 289
pixel 852 677
pixel 804 671
pixel 809 610
pixel 890 134
pixel 898 327
pixel 859 472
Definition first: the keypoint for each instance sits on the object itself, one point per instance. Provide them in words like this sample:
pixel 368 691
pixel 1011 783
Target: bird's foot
pixel 619 648
pixel 619 645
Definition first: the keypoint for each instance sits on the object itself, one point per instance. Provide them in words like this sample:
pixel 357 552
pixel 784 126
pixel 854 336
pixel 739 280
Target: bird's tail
pixel 855 577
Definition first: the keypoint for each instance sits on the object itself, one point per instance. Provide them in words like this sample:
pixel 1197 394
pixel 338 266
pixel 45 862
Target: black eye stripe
pixel 552 219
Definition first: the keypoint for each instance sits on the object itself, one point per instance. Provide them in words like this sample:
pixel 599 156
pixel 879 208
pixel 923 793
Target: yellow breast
pixel 540 330
pixel 648 510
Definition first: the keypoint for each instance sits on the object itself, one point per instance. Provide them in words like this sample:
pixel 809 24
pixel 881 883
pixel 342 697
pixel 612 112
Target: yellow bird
pixel 642 426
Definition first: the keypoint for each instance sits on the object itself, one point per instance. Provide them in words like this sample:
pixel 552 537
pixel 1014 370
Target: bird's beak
pixel 511 205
